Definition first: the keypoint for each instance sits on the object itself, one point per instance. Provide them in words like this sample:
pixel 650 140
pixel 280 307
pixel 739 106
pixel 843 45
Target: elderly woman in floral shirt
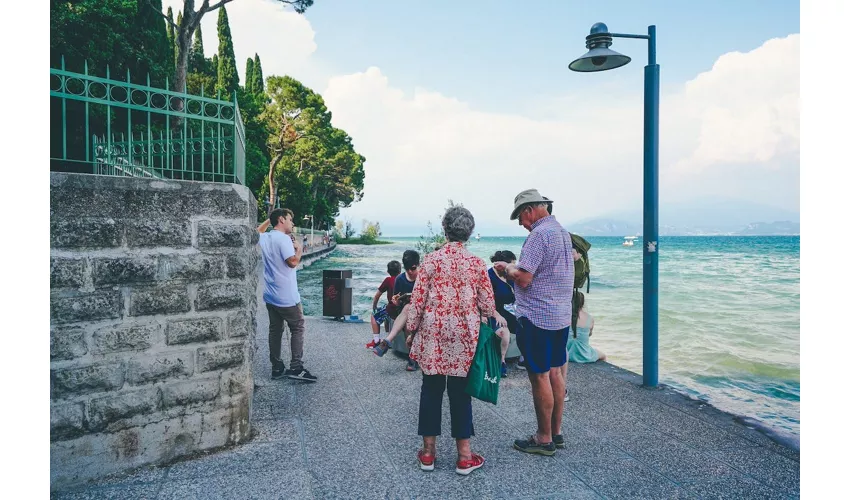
pixel 451 295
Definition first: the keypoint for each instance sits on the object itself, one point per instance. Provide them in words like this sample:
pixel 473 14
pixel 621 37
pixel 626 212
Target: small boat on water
pixel 629 241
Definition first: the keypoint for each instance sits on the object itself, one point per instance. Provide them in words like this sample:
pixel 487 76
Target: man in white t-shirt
pixel 281 255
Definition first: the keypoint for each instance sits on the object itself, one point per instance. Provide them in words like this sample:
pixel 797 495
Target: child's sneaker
pixel 371 344
pixel 504 370
pixel 381 348
pixel 464 467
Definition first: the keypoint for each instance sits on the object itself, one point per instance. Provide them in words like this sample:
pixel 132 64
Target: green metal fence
pixel 113 127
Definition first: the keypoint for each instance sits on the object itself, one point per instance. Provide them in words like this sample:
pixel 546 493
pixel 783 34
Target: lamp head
pixel 599 57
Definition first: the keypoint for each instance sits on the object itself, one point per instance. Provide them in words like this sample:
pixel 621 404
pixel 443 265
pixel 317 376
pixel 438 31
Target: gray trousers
pixel 294 317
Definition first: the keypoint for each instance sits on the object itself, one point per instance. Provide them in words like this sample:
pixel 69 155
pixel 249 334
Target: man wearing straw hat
pixel 544 273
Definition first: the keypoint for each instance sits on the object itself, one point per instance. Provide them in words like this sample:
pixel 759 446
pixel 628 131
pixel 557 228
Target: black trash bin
pixel 336 293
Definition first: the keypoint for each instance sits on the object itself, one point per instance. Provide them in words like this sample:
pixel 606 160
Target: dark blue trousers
pixel 431 406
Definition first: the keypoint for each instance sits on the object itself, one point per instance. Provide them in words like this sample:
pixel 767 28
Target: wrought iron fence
pixel 113 127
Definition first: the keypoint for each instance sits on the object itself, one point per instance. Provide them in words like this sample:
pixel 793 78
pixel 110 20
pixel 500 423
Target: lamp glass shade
pixel 599 59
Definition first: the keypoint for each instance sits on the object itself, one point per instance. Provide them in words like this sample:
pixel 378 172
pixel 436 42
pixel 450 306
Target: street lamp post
pixel 600 58
pixel 311 227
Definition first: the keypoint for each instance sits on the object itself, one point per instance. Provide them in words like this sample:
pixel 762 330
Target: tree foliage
pixel 197 62
pixel 370 232
pixel 313 163
pixel 249 75
pixel 289 139
pixel 184 30
pixel 228 77
pixel 258 85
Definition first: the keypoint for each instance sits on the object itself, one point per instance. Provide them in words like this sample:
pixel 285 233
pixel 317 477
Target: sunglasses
pixel 413 267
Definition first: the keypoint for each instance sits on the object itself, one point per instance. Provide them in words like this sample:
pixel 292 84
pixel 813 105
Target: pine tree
pixel 169 32
pixel 258 85
pixel 197 63
pixel 249 75
pixel 228 77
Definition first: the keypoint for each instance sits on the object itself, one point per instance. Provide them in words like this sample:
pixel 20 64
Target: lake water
pixel 729 312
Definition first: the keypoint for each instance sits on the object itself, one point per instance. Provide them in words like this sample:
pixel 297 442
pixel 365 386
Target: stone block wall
pixel 152 321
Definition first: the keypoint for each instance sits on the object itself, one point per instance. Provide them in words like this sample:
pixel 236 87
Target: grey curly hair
pixel 458 224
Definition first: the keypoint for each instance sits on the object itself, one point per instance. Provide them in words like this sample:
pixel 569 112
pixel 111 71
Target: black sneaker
pixel 301 374
pixel 531 446
pixel 278 370
pixel 558 439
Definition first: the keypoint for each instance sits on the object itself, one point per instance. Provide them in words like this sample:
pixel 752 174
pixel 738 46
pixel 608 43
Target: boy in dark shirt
pixel 379 315
pixel 401 297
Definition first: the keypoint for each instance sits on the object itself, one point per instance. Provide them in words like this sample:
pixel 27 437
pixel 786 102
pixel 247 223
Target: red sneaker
pixel 371 344
pixel 426 460
pixel 464 467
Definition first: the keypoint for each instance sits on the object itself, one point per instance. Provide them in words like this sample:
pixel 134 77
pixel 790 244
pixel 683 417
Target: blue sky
pixel 472 101
pixel 496 55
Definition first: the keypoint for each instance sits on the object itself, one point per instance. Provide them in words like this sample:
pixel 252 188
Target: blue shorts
pixel 542 349
pixel 381 315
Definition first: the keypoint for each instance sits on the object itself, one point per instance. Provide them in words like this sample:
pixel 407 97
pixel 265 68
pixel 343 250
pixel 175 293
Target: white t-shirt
pixel 281 283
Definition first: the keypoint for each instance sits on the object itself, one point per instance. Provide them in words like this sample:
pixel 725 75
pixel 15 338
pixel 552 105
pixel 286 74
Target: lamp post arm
pixel 627 35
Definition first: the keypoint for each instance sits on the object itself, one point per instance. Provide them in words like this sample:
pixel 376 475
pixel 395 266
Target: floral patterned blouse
pixel 451 294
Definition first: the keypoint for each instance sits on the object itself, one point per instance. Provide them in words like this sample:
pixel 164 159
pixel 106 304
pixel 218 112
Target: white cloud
pixel 747 107
pixel 425 147
pixel 744 112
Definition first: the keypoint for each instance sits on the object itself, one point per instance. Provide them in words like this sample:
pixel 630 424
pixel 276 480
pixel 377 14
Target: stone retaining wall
pixel 152 321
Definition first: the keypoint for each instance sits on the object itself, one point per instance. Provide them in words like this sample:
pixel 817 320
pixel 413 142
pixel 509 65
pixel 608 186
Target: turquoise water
pixel 729 312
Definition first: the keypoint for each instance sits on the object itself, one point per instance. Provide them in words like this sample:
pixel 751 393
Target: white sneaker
pixel 566 397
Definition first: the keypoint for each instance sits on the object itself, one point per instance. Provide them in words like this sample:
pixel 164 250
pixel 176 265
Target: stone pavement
pixel 353 435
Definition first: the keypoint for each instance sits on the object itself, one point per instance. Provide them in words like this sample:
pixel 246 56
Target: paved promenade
pixel 353 435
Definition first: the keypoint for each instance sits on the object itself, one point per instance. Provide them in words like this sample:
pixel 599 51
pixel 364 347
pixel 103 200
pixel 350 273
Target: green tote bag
pixel 486 369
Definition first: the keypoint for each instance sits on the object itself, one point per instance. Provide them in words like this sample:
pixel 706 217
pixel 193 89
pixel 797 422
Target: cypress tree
pixel 258 85
pixel 228 77
pixel 249 75
pixel 169 31
pixel 197 63
pixel 179 22
pixel 214 66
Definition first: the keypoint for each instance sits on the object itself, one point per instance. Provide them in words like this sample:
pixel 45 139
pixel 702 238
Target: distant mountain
pixel 697 218
pixel 604 227
pixel 771 228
